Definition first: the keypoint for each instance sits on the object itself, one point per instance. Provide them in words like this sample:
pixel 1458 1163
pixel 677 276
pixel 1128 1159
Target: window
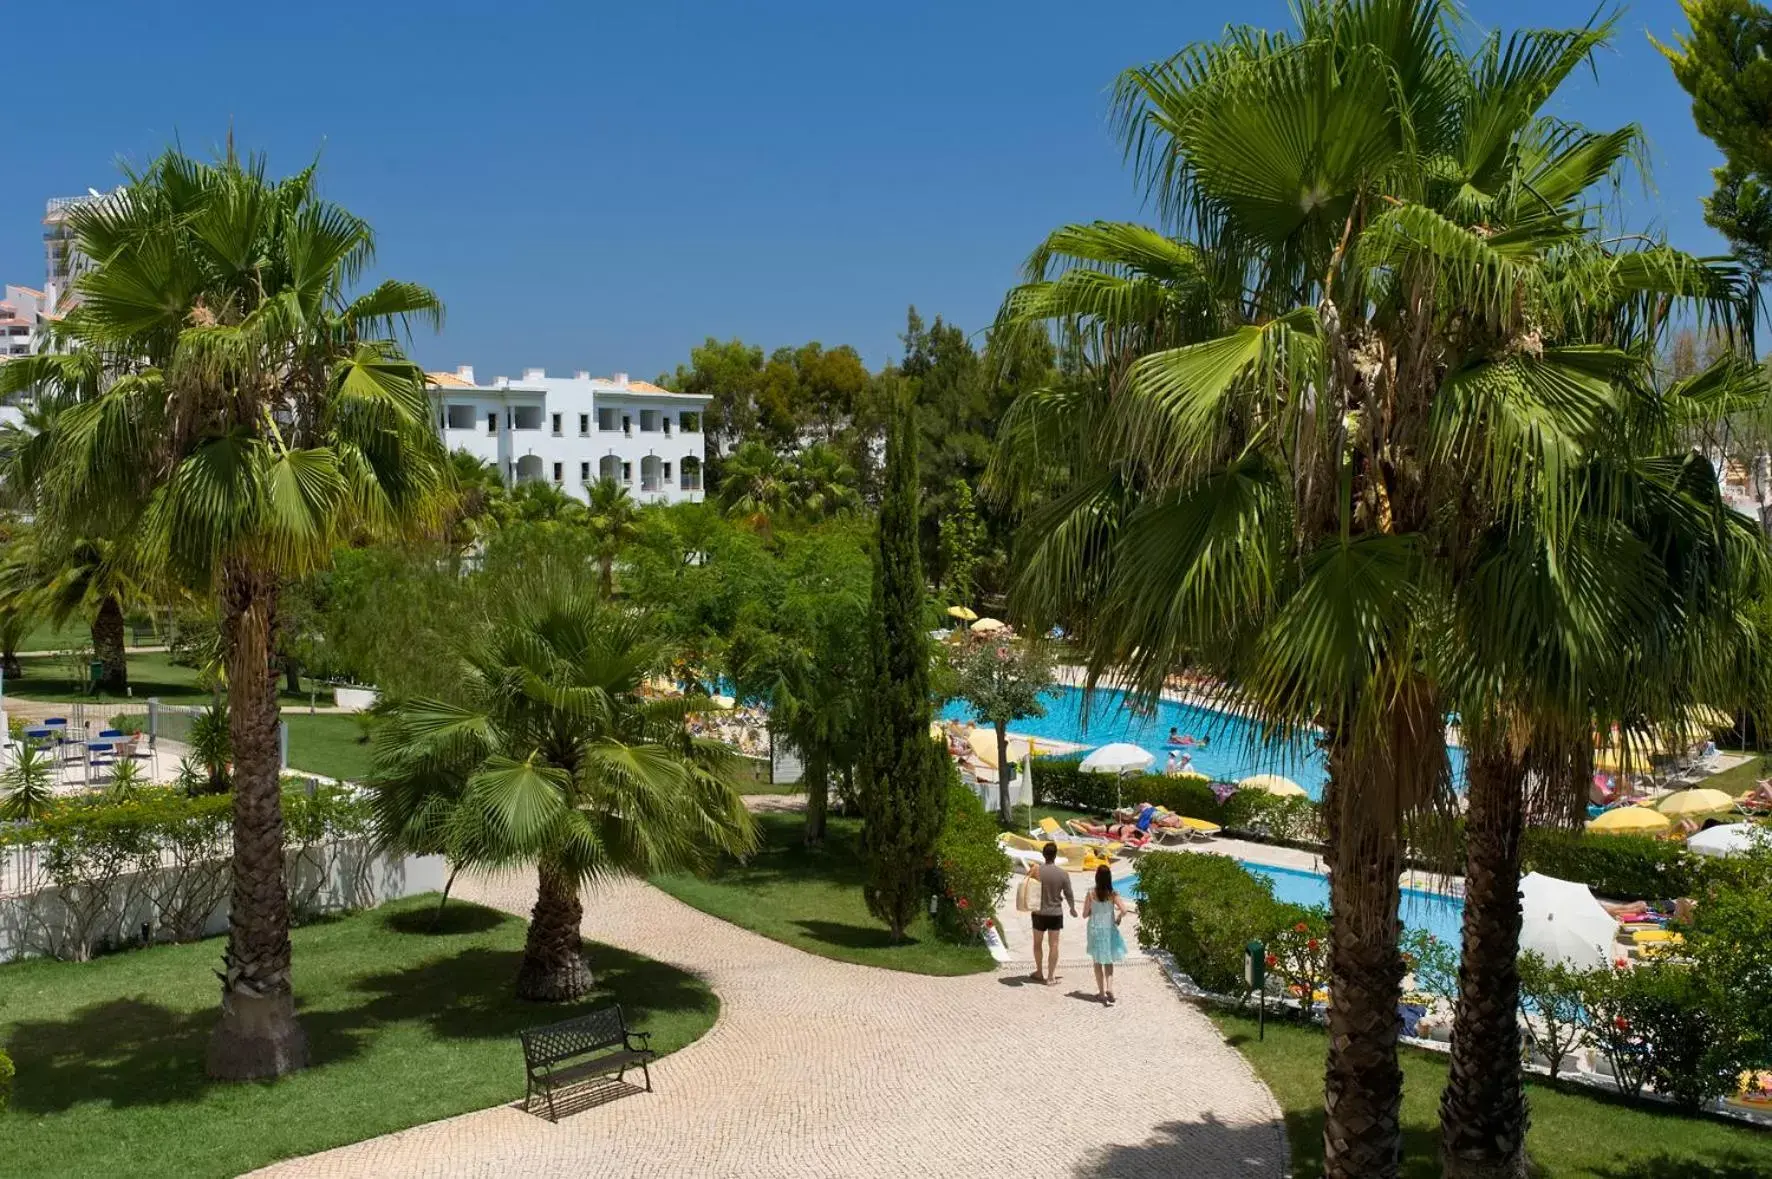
pixel 461 417
pixel 557 425
pixel 527 417
pixel 667 426
pixel 606 420
pixel 691 473
pixel 649 421
pixel 627 424
pixel 651 474
pixel 689 423
pixel 584 424
pixel 492 422
pixel 667 472
pixel 559 472
pixel 584 472
pixel 627 472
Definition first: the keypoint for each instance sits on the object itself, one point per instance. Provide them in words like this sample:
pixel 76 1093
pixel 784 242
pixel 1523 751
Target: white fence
pixel 184 898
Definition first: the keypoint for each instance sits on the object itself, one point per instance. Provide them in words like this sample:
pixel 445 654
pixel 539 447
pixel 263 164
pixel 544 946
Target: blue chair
pixel 57 721
pixel 112 733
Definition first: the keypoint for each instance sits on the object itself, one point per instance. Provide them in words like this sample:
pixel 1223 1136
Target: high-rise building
pixel 63 262
pixel 22 314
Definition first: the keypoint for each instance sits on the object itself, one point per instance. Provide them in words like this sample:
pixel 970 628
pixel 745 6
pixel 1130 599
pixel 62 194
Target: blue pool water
pixel 1440 915
pixel 1234 750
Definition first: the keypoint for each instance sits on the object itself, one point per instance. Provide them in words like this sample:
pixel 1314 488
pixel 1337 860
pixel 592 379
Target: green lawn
pixel 405 1027
pixel 327 743
pixel 151 673
pixel 1741 777
pixel 812 901
pixel 1576 1133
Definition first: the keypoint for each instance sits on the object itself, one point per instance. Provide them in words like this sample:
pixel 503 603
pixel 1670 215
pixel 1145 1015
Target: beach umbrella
pixel 986 626
pixel 1194 775
pixel 722 701
pixel 1730 839
pixel 1712 717
pixel 1120 758
pixel 1683 803
pixel 1614 760
pixel 984 744
pixel 1272 783
pixel 963 613
pixel 1631 820
pixel 1562 921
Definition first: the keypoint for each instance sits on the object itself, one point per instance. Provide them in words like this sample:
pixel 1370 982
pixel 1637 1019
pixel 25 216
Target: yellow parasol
pixel 984 744
pixel 1712 717
pixel 1612 759
pixel 1196 775
pixel 985 626
pixel 963 613
pixel 1631 820
pixel 1272 783
pixel 1684 803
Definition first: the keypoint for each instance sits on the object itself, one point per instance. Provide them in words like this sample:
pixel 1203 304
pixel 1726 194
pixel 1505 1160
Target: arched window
pixel 652 473
pixel 690 479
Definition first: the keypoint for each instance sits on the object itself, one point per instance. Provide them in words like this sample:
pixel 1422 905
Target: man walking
pixel 1055 895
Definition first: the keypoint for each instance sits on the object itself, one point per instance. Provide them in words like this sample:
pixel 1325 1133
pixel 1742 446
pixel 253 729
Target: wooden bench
pixel 591 1045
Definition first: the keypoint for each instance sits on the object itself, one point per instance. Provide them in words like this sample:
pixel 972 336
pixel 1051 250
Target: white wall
pixel 571 449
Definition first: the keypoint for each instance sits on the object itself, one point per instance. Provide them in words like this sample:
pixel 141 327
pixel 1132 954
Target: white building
pixel 573 431
pixel 22 312
pixel 63 264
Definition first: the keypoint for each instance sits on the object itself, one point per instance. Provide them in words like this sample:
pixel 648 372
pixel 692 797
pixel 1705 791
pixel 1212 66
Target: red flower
pixel 1621 1023
pixel 1621 964
pixel 1312 945
pixel 962 903
pixel 1301 927
pixel 1273 960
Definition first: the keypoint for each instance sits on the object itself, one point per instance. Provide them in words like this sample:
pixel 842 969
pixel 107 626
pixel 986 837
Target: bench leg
pixel 647 1072
pixel 552 1116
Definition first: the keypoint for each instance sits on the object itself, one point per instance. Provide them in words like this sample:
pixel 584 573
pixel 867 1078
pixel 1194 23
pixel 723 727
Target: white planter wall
pixel 355 699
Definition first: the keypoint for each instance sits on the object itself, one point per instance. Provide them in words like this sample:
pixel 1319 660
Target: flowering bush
pixel 1203 909
pixel 971 871
pixel 1299 952
pixel 6 1075
pixel 1550 998
pixel 1433 962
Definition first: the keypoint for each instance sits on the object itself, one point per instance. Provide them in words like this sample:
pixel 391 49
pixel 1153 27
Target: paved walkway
pixel 821 1068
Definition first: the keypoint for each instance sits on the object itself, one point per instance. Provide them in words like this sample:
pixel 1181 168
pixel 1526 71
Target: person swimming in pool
pixel 1174 735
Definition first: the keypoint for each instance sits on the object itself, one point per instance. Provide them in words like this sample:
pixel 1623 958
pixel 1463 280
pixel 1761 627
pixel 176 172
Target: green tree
pixel 476 488
pixel 1725 64
pixel 252 414
pixel 730 373
pixel 1278 481
pixel 960 539
pixel 904 775
pixel 821 484
pixel 1000 677
pixel 802 657
pixel 613 519
pixel 545 754
pixel 756 486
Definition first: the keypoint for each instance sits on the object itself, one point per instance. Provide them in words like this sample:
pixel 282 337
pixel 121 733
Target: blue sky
pixel 600 186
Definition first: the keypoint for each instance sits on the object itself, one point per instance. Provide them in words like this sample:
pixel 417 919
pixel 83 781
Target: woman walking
pixel 1103 910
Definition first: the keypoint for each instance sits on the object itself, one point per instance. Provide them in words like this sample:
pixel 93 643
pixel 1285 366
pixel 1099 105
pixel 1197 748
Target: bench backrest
pixel 556 1042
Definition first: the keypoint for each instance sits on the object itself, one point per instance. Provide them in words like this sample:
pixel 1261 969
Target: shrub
pixel 971 870
pixel 1550 998
pixel 1299 951
pixel 1292 819
pixel 1627 867
pixel 6 1075
pixel 1434 963
pixel 1059 781
pixel 1203 909
pixel 1669 1024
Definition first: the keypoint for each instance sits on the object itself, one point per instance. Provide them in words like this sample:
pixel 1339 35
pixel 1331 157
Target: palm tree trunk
pixel 554 967
pixel 258 1035
pixel 818 795
pixel 606 575
pixel 108 647
pixel 1483 1110
pixel 1004 805
pixel 1362 1082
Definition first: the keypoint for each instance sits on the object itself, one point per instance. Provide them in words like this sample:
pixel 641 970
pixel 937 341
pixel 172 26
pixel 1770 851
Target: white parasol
pixel 1562 921
pixel 1120 758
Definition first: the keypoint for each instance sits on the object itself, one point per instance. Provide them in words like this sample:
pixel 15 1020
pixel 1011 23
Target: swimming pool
pixel 1233 751
pixel 1437 913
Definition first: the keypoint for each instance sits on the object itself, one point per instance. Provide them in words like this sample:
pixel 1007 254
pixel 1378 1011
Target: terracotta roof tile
pixel 447 381
pixel 646 387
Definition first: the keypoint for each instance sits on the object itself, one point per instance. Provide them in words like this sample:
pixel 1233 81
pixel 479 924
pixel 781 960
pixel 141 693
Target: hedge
pixel 6 1074
pixel 971 871
pixel 1061 781
pixel 162 857
pixel 1624 867
pixel 1203 909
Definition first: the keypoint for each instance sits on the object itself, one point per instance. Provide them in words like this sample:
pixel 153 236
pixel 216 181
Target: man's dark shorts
pixel 1045 924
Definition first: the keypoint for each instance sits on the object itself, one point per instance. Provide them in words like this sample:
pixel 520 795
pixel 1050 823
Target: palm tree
pixel 755 486
pixel 537 502
pixel 252 414
pixel 614 522
pixel 477 488
pixel 1280 430
pixel 92 578
pixel 548 755
pixel 822 484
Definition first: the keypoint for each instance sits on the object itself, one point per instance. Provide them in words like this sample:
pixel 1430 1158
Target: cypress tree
pixel 903 784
